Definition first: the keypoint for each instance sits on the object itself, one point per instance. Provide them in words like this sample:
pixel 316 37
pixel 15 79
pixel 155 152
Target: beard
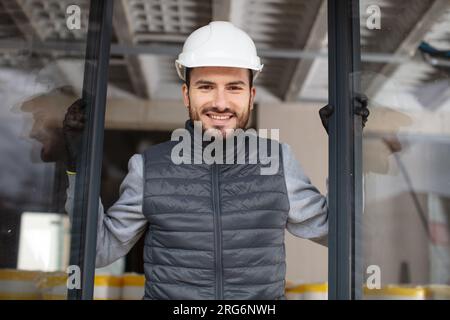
pixel 241 119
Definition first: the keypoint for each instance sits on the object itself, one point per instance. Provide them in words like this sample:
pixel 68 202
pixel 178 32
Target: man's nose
pixel 220 100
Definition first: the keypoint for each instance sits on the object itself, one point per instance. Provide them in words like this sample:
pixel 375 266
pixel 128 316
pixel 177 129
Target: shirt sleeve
pixel 308 210
pixel 124 223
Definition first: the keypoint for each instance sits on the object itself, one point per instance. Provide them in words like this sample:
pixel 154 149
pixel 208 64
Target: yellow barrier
pixel 438 292
pixel 107 287
pixel 319 291
pixel 133 286
pixel 53 285
pixel 396 292
pixel 19 285
pixel 307 291
pixel 36 285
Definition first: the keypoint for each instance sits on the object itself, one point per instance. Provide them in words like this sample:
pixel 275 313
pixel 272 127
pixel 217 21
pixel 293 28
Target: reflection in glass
pixel 37 84
pixel 406 147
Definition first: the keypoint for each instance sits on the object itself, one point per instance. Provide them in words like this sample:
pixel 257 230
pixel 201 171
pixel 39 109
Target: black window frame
pixel 89 163
pixel 345 152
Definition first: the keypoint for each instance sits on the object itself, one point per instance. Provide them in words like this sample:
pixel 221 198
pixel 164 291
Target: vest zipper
pixel 217 232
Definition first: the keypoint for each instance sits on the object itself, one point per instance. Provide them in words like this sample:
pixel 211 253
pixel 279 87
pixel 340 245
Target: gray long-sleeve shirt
pixel 124 223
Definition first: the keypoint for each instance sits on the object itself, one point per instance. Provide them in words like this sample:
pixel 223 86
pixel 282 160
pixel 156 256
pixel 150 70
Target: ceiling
pixel 291 36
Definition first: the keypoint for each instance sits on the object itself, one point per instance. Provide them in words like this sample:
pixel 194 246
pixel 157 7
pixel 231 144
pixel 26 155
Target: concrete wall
pixel 300 127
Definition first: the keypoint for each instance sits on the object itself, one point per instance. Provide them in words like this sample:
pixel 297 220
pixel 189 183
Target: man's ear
pixel 185 92
pixel 252 96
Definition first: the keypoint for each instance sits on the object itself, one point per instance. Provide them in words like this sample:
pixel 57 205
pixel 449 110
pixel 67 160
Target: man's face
pixel 219 97
pixel 48 113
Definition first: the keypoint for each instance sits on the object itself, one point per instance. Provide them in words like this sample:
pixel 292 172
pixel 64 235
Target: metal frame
pixel 87 187
pixel 345 140
pixel 174 49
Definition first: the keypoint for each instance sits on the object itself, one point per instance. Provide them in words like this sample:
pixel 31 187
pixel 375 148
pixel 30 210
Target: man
pixel 46 126
pixel 212 231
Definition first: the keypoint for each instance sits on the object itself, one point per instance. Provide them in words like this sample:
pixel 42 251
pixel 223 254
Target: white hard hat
pixel 218 44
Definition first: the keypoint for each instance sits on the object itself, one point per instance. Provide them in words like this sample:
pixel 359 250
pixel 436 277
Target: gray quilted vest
pixel 215 231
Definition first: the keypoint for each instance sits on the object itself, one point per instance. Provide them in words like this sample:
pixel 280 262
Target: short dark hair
pixel 188 76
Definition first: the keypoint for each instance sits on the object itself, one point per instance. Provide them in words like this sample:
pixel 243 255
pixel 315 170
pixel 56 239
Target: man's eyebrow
pixel 206 82
pixel 199 82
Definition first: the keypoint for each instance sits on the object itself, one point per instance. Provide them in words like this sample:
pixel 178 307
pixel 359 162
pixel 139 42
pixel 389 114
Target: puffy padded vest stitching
pixel 215 231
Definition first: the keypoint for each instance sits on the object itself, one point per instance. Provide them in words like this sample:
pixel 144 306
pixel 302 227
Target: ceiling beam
pixel 174 49
pixel 228 10
pixel 16 13
pixel 159 37
pixel 315 41
pixel 23 24
pixel 124 35
pixel 410 43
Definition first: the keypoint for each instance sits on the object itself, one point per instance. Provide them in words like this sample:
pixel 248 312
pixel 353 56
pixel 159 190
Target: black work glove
pixel 360 102
pixel 325 114
pixel 73 126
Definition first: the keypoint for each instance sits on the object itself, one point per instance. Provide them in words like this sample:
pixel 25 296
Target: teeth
pixel 220 117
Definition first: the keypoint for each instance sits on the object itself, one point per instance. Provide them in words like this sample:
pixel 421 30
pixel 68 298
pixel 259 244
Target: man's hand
pixel 73 126
pixel 325 115
pixel 360 102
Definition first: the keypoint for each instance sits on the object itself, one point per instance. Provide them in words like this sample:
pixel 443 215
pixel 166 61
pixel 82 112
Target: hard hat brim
pixel 181 67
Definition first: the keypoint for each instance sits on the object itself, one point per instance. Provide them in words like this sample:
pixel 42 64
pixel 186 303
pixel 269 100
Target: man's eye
pixel 235 88
pixel 205 87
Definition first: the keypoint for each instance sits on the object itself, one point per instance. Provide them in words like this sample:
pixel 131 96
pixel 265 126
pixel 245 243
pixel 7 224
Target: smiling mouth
pixel 220 117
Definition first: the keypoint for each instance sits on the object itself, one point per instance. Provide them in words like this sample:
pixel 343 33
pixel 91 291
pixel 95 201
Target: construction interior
pixel 406 218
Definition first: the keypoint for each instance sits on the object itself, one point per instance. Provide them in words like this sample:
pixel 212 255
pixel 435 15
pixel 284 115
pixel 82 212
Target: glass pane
pixel 145 106
pixel 41 73
pixel 406 146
